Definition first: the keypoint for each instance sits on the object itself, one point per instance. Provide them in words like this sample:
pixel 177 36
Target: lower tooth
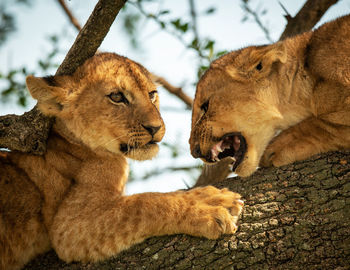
pixel 213 155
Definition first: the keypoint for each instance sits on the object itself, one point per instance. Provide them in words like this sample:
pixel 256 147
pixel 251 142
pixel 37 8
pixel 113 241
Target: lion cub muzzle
pixel 230 145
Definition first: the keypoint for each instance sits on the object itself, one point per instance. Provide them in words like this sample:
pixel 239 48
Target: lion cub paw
pixel 212 212
pixel 275 156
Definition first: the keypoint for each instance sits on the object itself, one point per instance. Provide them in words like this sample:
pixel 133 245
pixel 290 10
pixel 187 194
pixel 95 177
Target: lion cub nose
pixel 151 130
pixel 196 152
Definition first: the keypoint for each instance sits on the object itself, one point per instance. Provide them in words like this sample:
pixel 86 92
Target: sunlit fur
pixel 300 86
pixel 71 198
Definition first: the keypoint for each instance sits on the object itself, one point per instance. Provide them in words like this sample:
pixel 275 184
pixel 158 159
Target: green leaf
pixel 194 43
pixel 210 10
pixel 163 12
pixel 7 92
pixel 184 27
pixel 176 23
pixel 218 54
pixel 53 39
pixel 209 45
pixel 22 101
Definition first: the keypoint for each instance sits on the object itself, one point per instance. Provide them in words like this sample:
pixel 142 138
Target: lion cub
pixel 276 104
pixel 71 199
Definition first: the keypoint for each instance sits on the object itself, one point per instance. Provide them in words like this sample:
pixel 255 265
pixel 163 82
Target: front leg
pixel 94 225
pixel 309 137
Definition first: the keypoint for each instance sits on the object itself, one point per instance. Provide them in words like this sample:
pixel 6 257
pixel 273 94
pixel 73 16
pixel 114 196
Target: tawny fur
pixel 71 199
pixel 299 87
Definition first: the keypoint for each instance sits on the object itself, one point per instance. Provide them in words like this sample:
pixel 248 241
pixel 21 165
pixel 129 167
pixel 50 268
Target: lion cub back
pixel 21 211
pixel 329 51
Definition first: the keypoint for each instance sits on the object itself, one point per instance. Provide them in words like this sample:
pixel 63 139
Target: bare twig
pixel 307 17
pixel 161 24
pixel 177 91
pixel 256 17
pixel 287 15
pixel 72 19
pixel 194 19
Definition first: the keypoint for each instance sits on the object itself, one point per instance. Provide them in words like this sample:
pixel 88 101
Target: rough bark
pixel 307 17
pixel 295 217
pixel 28 133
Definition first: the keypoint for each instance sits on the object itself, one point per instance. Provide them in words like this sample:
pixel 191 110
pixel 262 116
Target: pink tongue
pixel 236 143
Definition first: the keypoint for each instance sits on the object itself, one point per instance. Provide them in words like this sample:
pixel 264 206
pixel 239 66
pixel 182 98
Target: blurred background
pixel 175 40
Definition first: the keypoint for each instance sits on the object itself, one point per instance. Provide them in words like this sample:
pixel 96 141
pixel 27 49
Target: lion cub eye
pixel 205 106
pixel 153 95
pixel 259 66
pixel 118 98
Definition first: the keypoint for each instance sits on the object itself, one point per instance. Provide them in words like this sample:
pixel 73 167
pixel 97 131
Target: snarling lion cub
pixel 71 198
pixel 278 103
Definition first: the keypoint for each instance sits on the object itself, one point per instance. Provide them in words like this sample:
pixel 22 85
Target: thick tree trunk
pixel 295 217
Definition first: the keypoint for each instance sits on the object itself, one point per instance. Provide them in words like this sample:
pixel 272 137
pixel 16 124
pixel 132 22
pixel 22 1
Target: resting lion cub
pixel 278 103
pixel 71 199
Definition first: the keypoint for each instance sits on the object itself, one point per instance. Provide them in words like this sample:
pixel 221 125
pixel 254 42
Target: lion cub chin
pixel 71 198
pixel 276 104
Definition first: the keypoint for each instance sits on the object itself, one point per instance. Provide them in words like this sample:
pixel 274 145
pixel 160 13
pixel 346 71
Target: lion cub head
pixel 235 109
pixel 110 103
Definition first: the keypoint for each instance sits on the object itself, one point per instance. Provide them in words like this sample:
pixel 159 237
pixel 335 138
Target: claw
pixel 240 202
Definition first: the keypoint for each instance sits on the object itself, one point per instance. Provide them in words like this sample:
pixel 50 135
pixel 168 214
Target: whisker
pixel 112 140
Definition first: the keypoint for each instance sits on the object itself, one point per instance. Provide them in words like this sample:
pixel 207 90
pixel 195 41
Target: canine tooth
pixel 213 154
pixel 218 148
pixel 237 140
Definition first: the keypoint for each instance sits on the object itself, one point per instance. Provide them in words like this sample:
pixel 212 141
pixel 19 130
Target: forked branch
pixel 307 17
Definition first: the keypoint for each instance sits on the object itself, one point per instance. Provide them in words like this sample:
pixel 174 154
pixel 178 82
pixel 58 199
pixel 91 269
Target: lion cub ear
pixel 275 52
pixel 49 95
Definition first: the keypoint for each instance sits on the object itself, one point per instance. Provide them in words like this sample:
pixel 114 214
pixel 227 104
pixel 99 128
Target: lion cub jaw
pixel 116 90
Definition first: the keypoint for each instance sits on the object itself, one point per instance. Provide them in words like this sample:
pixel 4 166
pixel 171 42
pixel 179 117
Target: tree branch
pixel 177 91
pixel 194 19
pixel 295 217
pixel 91 35
pixel 307 17
pixel 70 15
pixel 256 17
pixel 28 133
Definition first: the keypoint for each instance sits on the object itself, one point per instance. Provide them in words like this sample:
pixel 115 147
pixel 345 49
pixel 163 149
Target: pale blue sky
pixel 161 53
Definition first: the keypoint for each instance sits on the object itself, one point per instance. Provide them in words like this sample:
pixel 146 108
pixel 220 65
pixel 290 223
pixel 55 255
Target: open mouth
pixel 126 148
pixel 231 145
